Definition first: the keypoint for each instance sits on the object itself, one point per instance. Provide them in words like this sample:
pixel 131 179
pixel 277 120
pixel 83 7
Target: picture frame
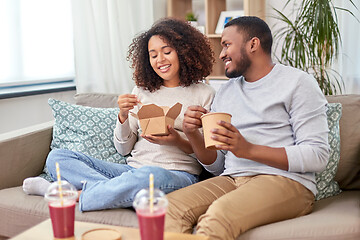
pixel 225 17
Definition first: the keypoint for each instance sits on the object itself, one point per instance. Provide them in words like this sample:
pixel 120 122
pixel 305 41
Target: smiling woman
pixel 36 43
pixel 164 60
pixel 194 53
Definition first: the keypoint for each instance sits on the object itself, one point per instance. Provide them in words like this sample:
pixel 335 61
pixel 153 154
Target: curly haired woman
pixel 170 60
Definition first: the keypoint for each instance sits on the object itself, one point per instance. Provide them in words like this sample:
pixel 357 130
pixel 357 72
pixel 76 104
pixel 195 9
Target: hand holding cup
pixel 210 121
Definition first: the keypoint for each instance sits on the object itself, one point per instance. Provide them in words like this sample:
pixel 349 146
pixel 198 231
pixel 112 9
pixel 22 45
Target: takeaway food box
pixel 154 119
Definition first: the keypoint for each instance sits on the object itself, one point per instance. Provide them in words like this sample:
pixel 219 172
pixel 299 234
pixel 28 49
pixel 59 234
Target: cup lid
pixel 101 233
pixel 142 199
pixel 69 192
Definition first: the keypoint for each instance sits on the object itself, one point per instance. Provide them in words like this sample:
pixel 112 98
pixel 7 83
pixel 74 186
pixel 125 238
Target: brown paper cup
pixel 209 121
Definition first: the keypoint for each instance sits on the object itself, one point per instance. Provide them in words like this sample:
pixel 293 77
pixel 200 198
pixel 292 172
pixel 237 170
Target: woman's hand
pixel 172 139
pixel 126 102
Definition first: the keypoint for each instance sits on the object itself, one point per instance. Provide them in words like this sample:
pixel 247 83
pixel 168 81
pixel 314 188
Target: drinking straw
pixel 59 183
pixel 151 191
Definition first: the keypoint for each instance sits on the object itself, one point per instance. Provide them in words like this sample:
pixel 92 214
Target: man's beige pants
pixel 224 207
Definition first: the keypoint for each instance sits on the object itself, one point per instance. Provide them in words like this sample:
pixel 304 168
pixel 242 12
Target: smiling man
pixel 277 140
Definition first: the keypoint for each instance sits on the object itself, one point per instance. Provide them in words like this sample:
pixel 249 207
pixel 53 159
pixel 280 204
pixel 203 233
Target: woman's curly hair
pixel 196 57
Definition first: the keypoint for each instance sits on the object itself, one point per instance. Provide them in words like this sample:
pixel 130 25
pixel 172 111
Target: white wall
pixel 160 9
pixel 21 112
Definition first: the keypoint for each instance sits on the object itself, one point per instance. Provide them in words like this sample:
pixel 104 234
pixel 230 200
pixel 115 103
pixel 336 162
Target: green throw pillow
pixel 84 129
pixel 325 183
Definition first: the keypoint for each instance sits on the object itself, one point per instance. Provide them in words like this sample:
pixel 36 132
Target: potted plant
pixel 311 41
pixel 192 18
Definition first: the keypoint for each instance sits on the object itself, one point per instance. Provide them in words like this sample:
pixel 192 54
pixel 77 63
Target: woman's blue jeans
pixel 108 185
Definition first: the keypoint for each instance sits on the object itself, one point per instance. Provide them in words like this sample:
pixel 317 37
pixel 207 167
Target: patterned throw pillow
pixel 325 183
pixel 84 129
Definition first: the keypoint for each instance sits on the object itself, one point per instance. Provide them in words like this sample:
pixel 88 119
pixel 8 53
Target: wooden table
pixel 43 231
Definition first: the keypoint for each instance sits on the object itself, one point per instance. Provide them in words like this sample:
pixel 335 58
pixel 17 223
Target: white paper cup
pixel 209 121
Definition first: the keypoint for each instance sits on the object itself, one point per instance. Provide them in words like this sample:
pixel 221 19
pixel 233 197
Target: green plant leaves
pixel 311 41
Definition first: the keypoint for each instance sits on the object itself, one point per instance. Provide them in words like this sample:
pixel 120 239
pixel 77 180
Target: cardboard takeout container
pixel 154 119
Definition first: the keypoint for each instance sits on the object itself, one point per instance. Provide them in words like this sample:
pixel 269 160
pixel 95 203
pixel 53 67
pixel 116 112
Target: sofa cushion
pixel 102 100
pixel 23 211
pixel 85 129
pixel 332 218
pixel 325 183
pixel 348 174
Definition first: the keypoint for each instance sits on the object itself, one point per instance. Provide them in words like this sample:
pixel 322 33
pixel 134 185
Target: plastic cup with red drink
pixel 61 201
pixel 151 217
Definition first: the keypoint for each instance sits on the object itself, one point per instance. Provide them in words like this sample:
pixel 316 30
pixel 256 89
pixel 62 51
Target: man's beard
pixel 242 67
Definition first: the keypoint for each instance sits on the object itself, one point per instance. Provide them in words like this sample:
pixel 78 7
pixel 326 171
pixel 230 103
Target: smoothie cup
pixel 151 220
pixel 209 121
pixel 62 208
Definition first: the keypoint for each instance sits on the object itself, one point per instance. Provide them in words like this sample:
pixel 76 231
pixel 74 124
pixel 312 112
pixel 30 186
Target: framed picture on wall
pixel 225 17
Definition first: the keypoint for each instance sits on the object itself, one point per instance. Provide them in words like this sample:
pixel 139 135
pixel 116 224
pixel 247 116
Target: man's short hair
pixel 254 27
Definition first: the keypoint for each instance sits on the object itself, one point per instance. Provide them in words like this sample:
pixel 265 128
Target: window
pixel 36 42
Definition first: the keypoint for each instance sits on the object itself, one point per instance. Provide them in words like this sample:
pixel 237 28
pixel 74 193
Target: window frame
pixel 37 88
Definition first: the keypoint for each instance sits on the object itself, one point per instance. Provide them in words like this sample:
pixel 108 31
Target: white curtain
pixel 349 54
pixel 103 30
pixel 36 42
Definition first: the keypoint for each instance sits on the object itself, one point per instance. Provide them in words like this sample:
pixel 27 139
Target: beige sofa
pixel 23 154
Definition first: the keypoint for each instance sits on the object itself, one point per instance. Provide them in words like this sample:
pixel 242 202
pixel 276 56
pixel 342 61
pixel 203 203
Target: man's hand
pixel 232 139
pixel 172 139
pixel 191 125
pixel 237 144
pixel 192 120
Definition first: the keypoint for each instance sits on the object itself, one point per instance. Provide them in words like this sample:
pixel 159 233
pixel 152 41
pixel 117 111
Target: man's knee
pixel 215 223
pixel 178 218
